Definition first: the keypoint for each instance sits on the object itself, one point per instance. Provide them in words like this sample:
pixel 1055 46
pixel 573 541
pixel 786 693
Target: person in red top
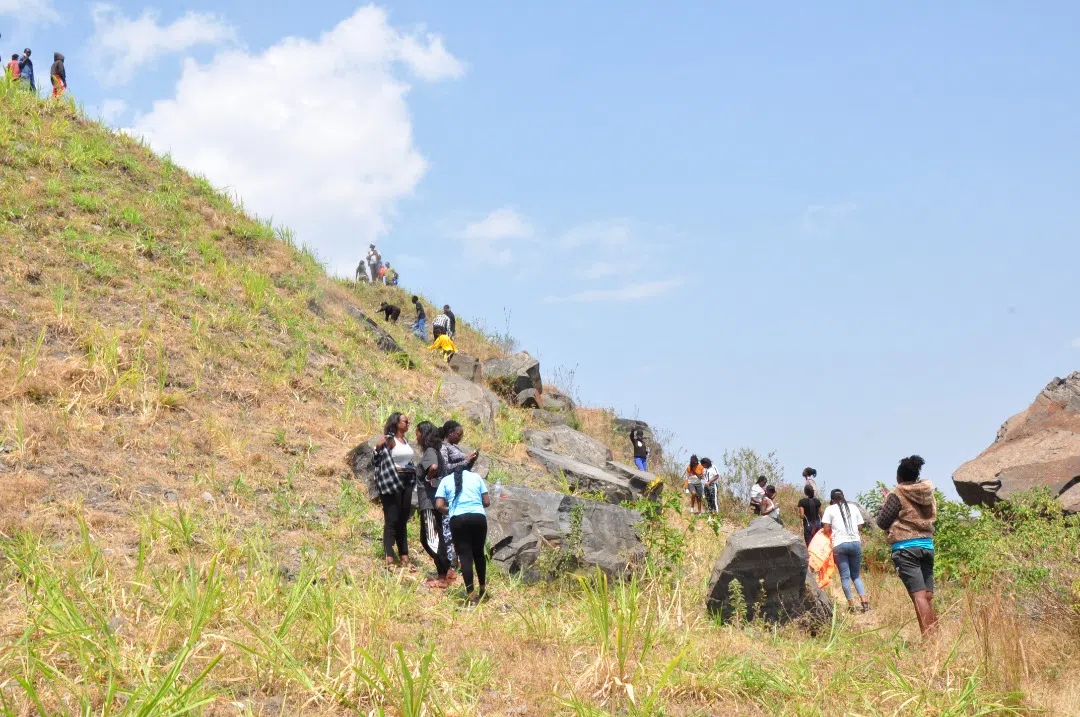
pixel 13 67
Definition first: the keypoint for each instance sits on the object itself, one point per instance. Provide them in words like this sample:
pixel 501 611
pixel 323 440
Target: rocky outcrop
pixel 468 367
pixel 640 482
pixel 556 400
pixel 384 341
pixel 550 418
pixel 1037 448
pixel 476 402
pixel 523 523
pixel 565 440
pixel 583 477
pixel 766 557
pixel 515 373
pixel 528 398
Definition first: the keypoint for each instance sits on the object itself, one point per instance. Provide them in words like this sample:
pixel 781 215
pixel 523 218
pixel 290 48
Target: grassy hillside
pixel 179 384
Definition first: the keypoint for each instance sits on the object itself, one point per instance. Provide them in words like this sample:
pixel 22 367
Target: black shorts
pixel 915 566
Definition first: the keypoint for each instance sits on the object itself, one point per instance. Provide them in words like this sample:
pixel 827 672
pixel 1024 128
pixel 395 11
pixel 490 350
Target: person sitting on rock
pixel 693 484
pixel 390 312
pixel 640 447
pixel 419 326
pixel 444 344
pixel 757 492
pixel 769 506
pixel 441 326
pixel 907 516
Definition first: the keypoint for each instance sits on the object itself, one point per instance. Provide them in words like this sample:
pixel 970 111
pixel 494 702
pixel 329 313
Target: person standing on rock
pixel 429 438
pixel 463 497
pixel 810 512
pixel 907 515
pixel 842 522
pixel 640 447
pixel 757 492
pixel 394 477
pixel 710 478
pixel 58 76
pixel 419 326
pixel 373 260
pixel 694 487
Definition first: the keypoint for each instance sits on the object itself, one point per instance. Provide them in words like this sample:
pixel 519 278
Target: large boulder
pixel 765 556
pixel 384 341
pixel 523 522
pixel 528 398
pixel 640 481
pixel 1037 448
pixel 583 477
pixel 477 402
pixel 556 400
pixel 468 367
pixel 565 440
pixel 550 418
pixel 519 372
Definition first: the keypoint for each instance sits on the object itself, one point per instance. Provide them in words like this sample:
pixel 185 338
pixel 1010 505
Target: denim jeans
pixel 420 329
pixel 848 558
pixel 640 462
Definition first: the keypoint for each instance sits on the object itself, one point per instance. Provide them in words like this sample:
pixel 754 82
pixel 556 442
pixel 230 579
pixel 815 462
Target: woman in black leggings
pixel 463 496
pixel 395 474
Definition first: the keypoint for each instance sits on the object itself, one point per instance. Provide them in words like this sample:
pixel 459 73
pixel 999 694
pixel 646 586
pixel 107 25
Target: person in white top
pixel 757 492
pixel 841 522
pixel 769 506
pixel 710 479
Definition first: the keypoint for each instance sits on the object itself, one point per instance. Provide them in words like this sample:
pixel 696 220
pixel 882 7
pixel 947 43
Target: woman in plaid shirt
pixel 395 475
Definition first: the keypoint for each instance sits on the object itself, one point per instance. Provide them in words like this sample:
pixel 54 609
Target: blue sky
pixel 841 231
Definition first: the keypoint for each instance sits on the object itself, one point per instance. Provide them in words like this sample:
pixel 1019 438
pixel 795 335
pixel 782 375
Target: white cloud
pixel 111 110
pixel 484 239
pixel 315 134
pixel 605 233
pixel 122 45
pixel 31 12
pixel 824 220
pixel 630 292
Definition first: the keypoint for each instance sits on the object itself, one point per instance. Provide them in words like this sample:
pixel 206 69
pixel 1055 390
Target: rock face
pixel 639 480
pixel 383 340
pixel 550 418
pixel 522 522
pixel 565 440
pixel 1037 448
pixel 468 367
pixel 521 371
pixel 477 402
pixel 556 400
pixel 765 556
pixel 528 398
pixel 584 477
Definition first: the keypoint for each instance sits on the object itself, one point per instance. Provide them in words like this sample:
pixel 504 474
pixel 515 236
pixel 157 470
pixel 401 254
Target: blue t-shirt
pixel 471 498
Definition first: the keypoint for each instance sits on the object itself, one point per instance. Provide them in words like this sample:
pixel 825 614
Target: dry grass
pixel 179 532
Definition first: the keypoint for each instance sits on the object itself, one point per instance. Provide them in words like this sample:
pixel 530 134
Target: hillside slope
pixel 179 384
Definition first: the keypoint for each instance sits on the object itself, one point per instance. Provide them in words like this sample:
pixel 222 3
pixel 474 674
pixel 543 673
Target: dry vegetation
pixel 178 386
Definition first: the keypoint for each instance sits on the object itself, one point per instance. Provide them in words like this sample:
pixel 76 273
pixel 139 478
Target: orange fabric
pixel 697 470
pixel 821 558
pixel 13 68
pixel 57 87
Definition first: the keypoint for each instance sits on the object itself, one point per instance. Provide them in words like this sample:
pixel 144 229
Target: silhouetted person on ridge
pixel 58 75
pixel 26 70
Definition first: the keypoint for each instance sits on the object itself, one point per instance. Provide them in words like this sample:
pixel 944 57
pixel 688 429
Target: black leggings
pixel 431 537
pixel 470 536
pixel 396 511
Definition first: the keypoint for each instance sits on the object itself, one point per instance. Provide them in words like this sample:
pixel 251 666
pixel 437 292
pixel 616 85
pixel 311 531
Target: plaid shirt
pixel 441 321
pixel 387 479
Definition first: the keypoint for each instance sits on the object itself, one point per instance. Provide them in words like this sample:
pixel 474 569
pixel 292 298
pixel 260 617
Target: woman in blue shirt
pixel 463 496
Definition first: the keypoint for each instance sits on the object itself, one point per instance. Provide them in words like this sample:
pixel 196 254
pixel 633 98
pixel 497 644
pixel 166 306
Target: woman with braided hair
pixel 463 497
pixel 842 523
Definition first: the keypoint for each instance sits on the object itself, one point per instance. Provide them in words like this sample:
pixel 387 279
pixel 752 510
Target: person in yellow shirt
pixel 444 344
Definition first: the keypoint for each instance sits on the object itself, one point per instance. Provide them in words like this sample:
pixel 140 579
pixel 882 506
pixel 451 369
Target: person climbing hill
pixel 441 325
pixel 842 525
pixel 810 512
pixel 58 75
pixel 390 312
pixel 419 326
pixel 907 515
pixel 453 320
pixel 444 344
pixel 694 486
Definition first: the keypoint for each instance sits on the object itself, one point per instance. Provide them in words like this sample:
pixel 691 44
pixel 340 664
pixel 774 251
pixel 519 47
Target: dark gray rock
pixel 521 370
pixel 384 341
pixel 468 367
pixel 522 522
pixel 527 399
pixel 556 400
pixel 565 440
pixel 765 556
pixel 582 477
pixel 478 403
pixel 639 480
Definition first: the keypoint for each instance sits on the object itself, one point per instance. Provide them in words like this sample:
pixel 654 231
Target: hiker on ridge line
pixel 58 75
pixel 26 70
pixel 13 68
pixel 373 260
pixel 640 447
